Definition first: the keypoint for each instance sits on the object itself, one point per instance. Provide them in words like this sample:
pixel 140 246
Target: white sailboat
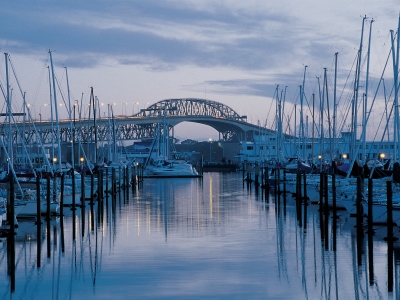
pixel 162 165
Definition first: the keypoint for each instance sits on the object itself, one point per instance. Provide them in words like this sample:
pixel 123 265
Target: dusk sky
pixel 135 53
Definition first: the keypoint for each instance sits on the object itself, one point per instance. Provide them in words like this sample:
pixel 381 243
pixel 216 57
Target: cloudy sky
pixel 135 53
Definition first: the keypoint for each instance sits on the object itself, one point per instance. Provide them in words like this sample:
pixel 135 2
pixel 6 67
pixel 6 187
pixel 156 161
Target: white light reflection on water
pixel 192 238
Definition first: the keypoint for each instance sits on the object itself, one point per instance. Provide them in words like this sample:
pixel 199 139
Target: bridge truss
pixel 230 125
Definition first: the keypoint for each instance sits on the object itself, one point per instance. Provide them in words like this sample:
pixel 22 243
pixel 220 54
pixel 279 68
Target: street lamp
pixel 54 163
pixel 82 160
pixel 30 106
pixel 40 109
pixel 133 107
pixel 320 162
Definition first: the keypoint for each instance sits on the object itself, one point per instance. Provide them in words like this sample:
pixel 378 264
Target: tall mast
pixel 357 85
pixel 395 53
pixel 313 126
pixel 279 121
pixel 56 112
pixel 301 114
pixel 295 131
pixel 10 151
pixel 397 89
pixel 334 102
pixel 109 135
pixel 70 122
pixel 321 122
pixel 329 116
pixel 94 124
pixel 364 129
pixel 396 97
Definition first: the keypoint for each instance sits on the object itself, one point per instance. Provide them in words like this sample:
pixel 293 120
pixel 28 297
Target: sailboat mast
pixel 366 95
pixel 52 120
pixel 109 134
pixel 11 160
pixel 56 112
pixel 356 88
pixel 321 124
pixel 313 128
pixel 70 122
pixel 334 102
pixel 94 124
pixel 302 137
pixel 397 88
pixel 396 96
pixel 329 115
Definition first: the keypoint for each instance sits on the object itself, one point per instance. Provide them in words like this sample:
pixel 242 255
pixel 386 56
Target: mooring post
pixel 334 193
pixel 326 194
pixel 334 217
pixel 299 198
pixel 390 238
pixel 11 198
pixel 48 212
pixel 279 181
pixel 113 185
pixel 107 191
pixel 91 188
pixel 127 178
pixel 359 204
pixel 55 187
pixel 11 236
pixel 62 212
pixel 321 191
pixel 83 214
pixel 305 199
pixel 83 188
pixel 326 211
pixel 370 207
pixel 38 209
pixel 62 195
pixel 389 208
pixel 73 187
pixel 48 195
pixel 99 185
pixel 262 176
pixel 119 178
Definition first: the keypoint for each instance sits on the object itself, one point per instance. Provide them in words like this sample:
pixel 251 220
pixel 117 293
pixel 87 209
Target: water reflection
pixel 197 238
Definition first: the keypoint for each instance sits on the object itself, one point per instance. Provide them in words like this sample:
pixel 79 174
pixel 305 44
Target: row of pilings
pixel 275 185
pixel 104 194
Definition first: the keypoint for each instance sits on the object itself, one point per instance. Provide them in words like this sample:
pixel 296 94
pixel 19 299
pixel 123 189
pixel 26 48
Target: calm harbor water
pixel 214 237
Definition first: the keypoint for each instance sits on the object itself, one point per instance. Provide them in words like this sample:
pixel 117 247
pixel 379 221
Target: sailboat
pixel 163 166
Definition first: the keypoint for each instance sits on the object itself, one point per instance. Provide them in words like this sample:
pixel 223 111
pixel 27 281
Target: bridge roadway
pixel 230 125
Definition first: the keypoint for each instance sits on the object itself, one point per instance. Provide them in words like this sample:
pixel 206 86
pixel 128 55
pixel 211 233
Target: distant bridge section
pixel 230 125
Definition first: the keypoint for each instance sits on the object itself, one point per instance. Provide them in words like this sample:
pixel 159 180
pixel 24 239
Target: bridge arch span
pixel 207 112
pixel 191 107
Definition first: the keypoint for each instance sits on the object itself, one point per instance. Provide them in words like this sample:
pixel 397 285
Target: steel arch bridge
pixel 230 125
